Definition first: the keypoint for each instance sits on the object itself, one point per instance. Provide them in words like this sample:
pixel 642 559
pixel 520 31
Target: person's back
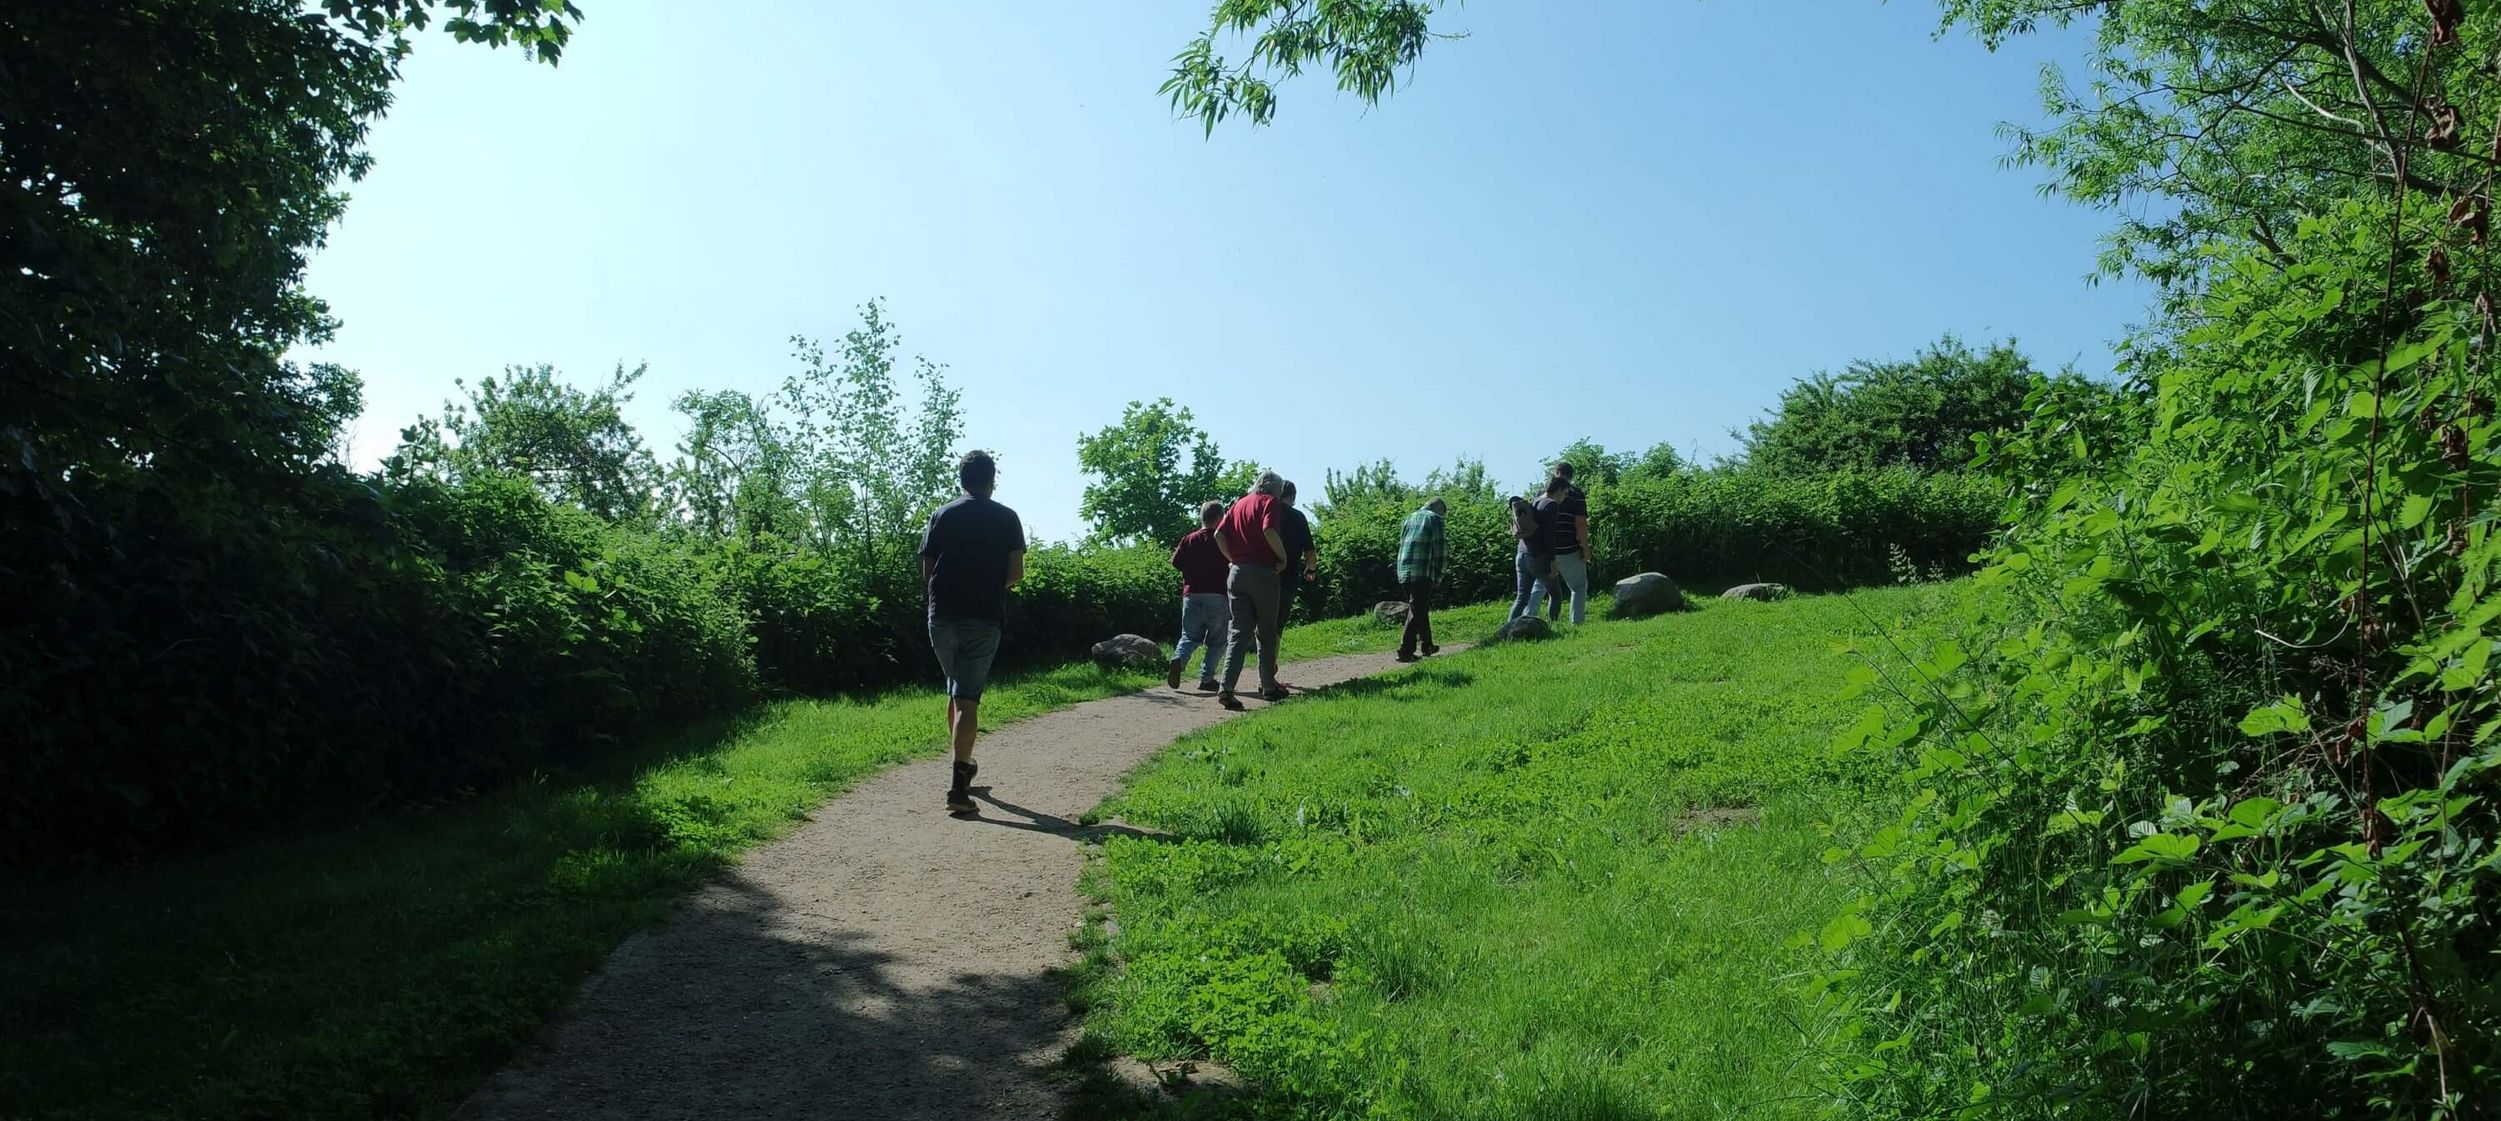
pixel 1566 509
pixel 1532 530
pixel 1246 527
pixel 1423 550
pixel 968 545
pixel 973 551
pixel 1252 540
pixel 1205 613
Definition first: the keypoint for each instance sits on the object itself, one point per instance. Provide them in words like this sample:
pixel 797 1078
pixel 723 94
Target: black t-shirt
pixel 1295 530
pixel 1563 519
pixel 970 540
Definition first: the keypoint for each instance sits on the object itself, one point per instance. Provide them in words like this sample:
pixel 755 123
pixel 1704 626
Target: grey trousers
pixel 1255 592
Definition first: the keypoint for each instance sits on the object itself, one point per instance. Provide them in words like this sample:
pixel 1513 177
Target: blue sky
pixel 1635 222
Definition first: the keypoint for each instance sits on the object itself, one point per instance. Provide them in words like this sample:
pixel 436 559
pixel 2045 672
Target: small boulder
pixel 1129 650
pixel 1761 592
pixel 1526 628
pixel 1647 594
pixel 1391 612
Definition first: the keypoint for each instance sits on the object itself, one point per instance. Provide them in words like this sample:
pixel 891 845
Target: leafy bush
pixel 1923 413
pixel 1701 526
pixel 2201 823
pixel 1073 597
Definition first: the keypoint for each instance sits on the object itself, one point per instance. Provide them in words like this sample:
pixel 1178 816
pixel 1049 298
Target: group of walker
pixel 1240 571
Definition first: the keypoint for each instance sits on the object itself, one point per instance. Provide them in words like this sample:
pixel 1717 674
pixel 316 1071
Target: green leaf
pixel 2282 716
pixel 1845 928
pixel 2163 848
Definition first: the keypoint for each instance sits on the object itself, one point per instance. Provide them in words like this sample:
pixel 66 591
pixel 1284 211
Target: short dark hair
pixel 1288 493
pixel 1560 484
pixel 977 471
pixel 1563 471
pixel 1210 510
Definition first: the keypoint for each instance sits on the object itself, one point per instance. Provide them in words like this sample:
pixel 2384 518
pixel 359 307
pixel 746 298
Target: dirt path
pixel 884 960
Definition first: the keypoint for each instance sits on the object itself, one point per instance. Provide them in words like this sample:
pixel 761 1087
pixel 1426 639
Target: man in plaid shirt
pixel 1423 551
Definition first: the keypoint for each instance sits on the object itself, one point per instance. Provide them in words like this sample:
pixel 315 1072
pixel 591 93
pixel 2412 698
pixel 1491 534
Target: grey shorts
pixel 965 648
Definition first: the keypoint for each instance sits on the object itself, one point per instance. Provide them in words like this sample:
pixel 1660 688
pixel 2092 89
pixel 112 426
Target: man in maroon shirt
pixel 1205 612
pixel 1250 537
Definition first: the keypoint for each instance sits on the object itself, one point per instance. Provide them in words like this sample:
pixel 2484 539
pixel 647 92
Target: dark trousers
pixel 1419 633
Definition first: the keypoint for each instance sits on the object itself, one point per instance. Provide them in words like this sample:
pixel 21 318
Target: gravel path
pixel 884 960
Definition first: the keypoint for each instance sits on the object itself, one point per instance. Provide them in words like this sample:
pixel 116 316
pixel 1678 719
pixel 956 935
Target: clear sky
pixel 1632 221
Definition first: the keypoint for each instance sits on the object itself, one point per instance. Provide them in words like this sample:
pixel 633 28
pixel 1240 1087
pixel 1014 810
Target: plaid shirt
pixel 1422 550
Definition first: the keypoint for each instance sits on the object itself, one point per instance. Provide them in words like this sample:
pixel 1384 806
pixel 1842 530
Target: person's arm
pixel 1437 551
pixel 1276 543
pixel 929 566
pixel 1015 567
pixel 1179 549
pixel 1224 545
pixel 1580 529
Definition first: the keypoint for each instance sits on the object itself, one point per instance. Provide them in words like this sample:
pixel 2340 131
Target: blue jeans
pixel 965 648
pixel 1533 570
pixel 1204 618
pixel 1573 569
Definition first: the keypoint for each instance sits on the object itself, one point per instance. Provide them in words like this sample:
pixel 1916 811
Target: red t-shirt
pixel 1201 563
pixel 1246 526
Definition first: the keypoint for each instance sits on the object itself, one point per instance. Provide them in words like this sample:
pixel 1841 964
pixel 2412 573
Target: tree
pixel 2242 119
pixel 1368 44
pixel 157 223
pixel 574 445
pixel 866 469
pixel 1921 413
pixel 733 471
pixel 1151 471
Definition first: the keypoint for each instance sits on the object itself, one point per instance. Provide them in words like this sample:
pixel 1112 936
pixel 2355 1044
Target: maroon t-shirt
pixel 1201 563
pixel 1246 526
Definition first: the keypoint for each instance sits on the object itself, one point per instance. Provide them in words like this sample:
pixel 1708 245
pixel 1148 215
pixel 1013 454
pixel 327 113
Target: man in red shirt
pixel 1250 537
pixel 1205 613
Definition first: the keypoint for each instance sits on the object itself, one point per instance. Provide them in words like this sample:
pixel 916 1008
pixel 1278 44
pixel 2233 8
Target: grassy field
pixel 382 971
pixel 1569 880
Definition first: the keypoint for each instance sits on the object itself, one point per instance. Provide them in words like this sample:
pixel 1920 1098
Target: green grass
pixel 1563 880
pixel 383 970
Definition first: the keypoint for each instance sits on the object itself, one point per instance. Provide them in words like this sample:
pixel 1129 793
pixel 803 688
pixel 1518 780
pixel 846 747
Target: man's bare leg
pixel 963 722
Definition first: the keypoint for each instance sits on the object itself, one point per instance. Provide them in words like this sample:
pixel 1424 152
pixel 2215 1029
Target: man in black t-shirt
pixel 1570 515
pixel 1302 561
pixel 973 552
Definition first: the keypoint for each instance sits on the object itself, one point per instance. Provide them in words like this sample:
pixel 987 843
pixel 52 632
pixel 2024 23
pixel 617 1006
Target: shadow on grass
pixel 1410 686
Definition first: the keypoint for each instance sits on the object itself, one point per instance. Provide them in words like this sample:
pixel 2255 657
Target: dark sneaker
pixel 1429 651
pixel 1172 674
pixel 1404 656
pixel 1276 693
pixel 1210 686
pixel 1230 701
pixel 960 795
